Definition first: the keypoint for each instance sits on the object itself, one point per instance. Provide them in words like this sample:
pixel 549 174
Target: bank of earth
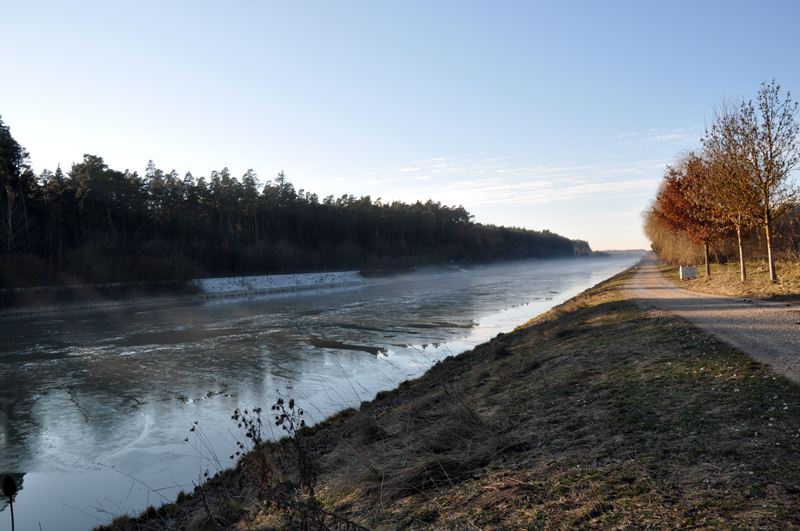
pixel 595 415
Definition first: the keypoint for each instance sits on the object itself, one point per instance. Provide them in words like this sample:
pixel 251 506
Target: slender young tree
pixel 735 198
pixel 759 143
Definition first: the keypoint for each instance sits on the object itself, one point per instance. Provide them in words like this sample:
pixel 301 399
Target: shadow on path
pixel 768 332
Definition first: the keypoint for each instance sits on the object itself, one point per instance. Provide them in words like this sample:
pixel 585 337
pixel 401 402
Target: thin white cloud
pixel 495 191
pixel 433 160
pixel 668 137
pixel 518 181
pixel 632 139
pixel 482 184
pixel 607 215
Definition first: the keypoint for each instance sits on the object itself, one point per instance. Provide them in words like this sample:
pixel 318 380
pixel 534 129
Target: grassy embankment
pixel 595 415
pixel 726 280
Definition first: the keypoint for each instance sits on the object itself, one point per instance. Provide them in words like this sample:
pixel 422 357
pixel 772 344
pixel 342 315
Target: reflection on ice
pixel 94 409
pixel 338 345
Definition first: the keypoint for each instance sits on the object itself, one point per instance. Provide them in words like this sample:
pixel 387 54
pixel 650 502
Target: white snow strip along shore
pixel 208 288
pixel 266 284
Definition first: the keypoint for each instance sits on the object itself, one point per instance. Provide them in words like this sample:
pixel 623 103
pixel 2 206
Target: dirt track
pixel 768 332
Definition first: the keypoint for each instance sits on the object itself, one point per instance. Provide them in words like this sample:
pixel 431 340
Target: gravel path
pixel 768 332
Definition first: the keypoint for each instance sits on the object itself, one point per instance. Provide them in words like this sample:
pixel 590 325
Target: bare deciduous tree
pixel 731 188
pixel 756 148
pixel 730 195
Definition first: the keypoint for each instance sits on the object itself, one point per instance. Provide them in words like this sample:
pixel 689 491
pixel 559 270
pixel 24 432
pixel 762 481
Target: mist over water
pixel 95 406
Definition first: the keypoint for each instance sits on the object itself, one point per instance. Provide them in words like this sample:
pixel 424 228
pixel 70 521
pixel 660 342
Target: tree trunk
pixel 708 262
pixel 7 223
pixel 742 266
pixel 110 222
pixel 773 276
pixel 255 227
pixel 24 211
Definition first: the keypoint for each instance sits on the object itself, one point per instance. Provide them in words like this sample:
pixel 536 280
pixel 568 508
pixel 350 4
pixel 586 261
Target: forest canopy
pixel 96 224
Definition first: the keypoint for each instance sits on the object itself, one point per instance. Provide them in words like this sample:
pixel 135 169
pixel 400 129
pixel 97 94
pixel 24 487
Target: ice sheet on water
pixel 122 388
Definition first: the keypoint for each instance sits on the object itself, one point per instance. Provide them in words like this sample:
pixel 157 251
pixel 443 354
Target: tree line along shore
pixel 736 197
pixel 94 224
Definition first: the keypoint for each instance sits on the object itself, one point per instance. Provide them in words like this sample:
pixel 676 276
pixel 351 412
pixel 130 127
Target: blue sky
pixel 557 115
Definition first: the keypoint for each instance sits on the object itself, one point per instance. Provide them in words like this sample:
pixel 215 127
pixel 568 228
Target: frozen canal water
pixel 95 407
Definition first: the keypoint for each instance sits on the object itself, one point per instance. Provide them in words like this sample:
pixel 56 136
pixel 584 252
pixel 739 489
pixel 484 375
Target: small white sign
pixel 688 272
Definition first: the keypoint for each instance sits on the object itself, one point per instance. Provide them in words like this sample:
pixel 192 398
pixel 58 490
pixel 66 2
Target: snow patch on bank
pixel 208 288
pixel 266 284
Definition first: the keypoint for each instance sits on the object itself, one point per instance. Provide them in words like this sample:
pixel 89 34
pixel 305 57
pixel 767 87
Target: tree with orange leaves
pixel 685 204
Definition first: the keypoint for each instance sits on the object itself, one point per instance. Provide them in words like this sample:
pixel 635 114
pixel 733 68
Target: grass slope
pixel 595 415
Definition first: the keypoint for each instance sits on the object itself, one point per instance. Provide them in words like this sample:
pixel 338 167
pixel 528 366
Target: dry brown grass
pixel 596 415
pixel 726 280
